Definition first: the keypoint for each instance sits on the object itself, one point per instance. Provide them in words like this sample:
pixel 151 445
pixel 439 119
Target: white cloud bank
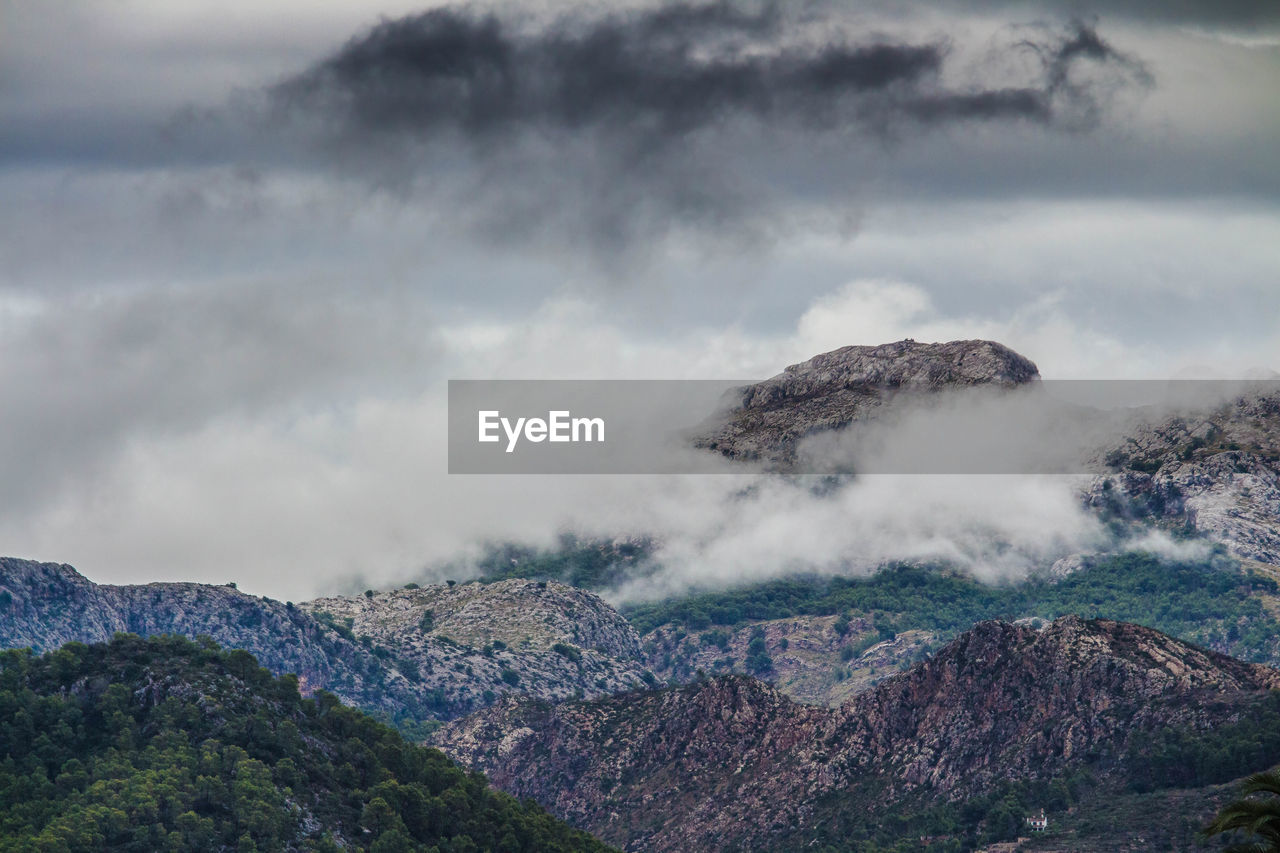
pixel 293 503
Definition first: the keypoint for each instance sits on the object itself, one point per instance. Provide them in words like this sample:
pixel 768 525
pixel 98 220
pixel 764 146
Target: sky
pixel 243 246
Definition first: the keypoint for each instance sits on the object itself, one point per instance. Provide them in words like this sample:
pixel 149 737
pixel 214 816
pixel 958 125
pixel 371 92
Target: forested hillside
pixel 165 744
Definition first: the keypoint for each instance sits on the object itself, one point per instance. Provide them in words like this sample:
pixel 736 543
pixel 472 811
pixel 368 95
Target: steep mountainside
pixel 732 764
pixel 1215 471
pixel 165 744
pixel 765 421
pixel 413 656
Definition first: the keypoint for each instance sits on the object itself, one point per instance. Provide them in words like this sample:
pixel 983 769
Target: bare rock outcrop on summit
pixel 767 420
pixel 696 767
pixel 517 613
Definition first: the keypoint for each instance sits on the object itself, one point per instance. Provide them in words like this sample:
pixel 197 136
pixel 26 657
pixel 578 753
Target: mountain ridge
pixel 415 673
pixel 1002 701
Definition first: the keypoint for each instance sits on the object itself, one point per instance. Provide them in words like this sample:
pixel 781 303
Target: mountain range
pixel 915 707
pixel 410 656
pixel 732 764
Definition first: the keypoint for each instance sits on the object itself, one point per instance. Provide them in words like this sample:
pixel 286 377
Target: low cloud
pixel 993 528
pixel 85 379
pixel 1166 547
pixel 326 460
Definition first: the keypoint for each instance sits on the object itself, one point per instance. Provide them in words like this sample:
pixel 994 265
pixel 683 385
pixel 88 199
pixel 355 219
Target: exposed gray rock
pixel 557 641
pixel 533 615
pixel 1215 472
pixel 1069 565
pixel 766 421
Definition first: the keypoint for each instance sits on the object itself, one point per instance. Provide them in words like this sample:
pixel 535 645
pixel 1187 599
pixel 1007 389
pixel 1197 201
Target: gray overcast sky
pixel 243 245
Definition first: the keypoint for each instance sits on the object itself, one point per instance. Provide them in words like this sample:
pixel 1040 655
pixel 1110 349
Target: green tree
pixel 1258 817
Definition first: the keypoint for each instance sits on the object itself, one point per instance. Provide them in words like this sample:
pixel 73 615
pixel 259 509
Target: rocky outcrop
pixel 420 654
pixel 732 764
pixel 534 615
pixel 1215 472
pixel 480 641
pixel 1212 469
pixel 767 421
pixel 821 660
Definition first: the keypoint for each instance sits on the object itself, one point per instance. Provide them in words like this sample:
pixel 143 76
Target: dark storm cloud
pixel 614 129
pixel 669 71
pixel 1236 14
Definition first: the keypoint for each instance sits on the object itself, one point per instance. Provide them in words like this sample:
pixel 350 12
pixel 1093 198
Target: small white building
pixel 1037 823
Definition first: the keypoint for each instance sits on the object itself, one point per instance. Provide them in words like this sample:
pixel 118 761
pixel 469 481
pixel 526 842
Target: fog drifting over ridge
pixel 224 342
pixel 992 528
pixel 923 494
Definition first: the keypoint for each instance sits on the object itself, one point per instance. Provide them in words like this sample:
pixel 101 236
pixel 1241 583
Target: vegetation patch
pixel 1211 602
pixel 166 744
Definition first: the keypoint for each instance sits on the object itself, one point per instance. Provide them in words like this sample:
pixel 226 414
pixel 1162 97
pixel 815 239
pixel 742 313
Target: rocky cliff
pixel 766 421
pixel 1214 470
pixel 419 654
pixel 732 764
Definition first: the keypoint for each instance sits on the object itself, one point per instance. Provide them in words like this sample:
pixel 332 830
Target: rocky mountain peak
pixel 1125 658
pixel 766 421
pixel 912 363
pixel 1213 469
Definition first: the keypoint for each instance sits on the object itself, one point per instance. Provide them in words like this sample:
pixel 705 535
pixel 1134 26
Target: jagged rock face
pixel 668 770
pixel 696 767
pixel 767 420
pixel 386 662
pixel 1217 472
pixel 44 605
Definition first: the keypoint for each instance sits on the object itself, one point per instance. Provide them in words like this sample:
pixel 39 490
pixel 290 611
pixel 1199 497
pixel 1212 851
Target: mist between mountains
pixel 1064 427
